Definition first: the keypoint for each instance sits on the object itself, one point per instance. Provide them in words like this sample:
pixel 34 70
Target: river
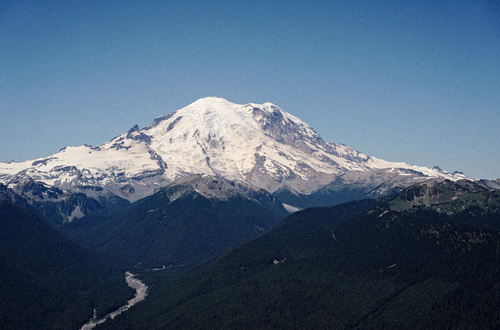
pixel 140 295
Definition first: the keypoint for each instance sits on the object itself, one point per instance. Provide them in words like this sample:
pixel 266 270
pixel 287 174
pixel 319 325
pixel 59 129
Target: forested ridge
pixel 344 267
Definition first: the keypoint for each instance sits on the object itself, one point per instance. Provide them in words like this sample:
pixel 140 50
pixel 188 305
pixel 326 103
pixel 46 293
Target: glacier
pixel 255 144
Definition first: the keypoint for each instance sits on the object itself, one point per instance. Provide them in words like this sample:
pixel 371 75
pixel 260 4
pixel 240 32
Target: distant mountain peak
pixel 211 99
pixel 254 144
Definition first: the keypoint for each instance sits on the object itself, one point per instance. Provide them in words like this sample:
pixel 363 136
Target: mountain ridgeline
pixel 183 224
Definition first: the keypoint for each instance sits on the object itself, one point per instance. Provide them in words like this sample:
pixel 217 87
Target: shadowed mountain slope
pixel 47 281
pixel 186 223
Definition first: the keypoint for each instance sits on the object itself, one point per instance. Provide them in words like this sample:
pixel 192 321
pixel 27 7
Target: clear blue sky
pixel 413 81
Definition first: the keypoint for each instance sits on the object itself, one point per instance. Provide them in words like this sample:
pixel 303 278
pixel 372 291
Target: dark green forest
pixel 329 268
pixel 156 231
pixel 49 282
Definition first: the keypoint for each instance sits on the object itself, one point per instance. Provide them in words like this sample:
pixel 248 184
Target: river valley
pixel 140 295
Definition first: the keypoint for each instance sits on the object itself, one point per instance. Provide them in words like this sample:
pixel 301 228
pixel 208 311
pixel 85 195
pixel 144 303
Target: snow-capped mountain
pixel 255 144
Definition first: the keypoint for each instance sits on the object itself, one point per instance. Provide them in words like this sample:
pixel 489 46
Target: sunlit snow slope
pixel 257 144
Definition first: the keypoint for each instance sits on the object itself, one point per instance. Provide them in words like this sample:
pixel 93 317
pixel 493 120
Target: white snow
pixel 290 208
pixel 210 136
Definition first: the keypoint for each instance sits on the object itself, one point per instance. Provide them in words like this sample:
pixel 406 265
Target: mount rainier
pixel 259 145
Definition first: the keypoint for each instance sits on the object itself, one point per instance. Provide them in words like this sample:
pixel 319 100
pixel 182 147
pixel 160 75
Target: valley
pixel 140 294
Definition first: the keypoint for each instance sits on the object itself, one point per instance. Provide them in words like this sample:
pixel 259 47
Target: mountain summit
pixel 255 144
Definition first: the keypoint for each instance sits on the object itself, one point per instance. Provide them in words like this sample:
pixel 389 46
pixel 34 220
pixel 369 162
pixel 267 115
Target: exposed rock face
pixel 434 192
